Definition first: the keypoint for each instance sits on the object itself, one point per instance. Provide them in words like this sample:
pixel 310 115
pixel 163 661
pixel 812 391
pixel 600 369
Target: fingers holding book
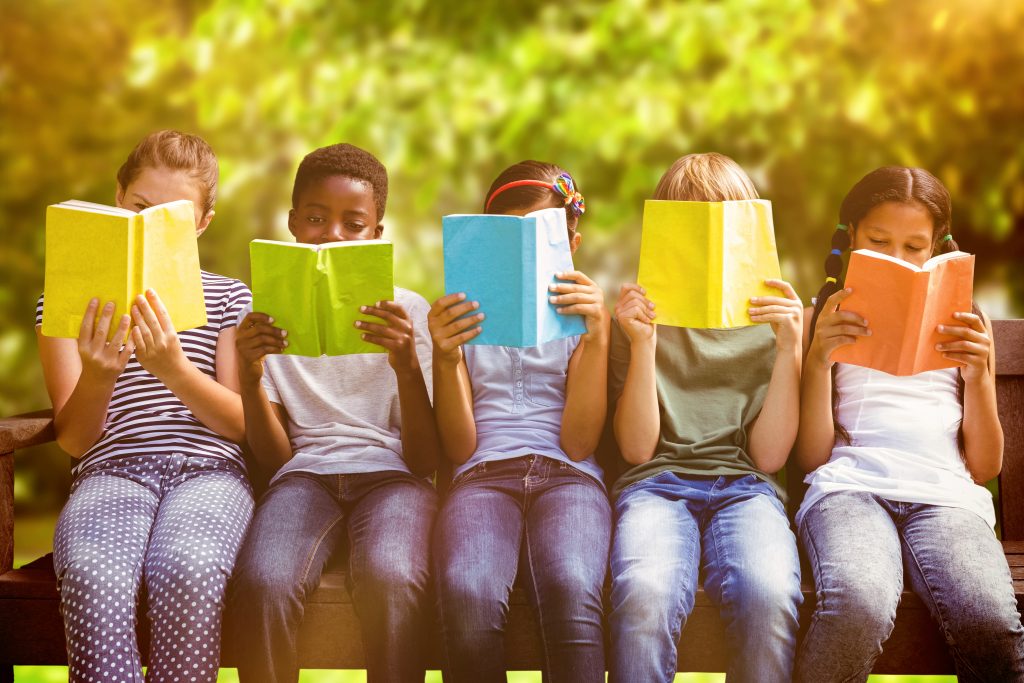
pixel 836 328
pixel 103 359
pixel 971 347
pixel 784 313
pixel 635 313
pixel 581 296
pixel 452 323
pixel 257 337
pixel 157 347
pixel 395 334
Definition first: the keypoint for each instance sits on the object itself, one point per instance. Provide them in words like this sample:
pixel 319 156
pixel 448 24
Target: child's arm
pixel 453 393
pixel 983 435
pixel 420 445
pixel 586 395
pixel 215 403
pixel 266 423
pixel 80 377
pixel 775 428
pixel 637 421
pixel 834 328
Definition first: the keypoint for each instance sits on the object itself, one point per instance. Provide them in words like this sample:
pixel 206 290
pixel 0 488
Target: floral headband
pixel 562 186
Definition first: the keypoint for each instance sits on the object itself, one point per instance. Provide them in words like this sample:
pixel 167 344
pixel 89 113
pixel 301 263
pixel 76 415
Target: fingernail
pixel 284 333
pixel 362 309
pixel 643 291
pixel 285 344
pixel 460 296
pixel 476 304
pixel 479 316
pixel 270 320
pixel 362 336
pixel 940 347
pixel 551 288
pixel 377 304
pixel 942 328
pixel 553 299
pixel 753 299
pixel 358 323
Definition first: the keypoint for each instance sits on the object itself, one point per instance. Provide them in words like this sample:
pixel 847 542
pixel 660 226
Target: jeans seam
pixel 316 547
pixel 536 591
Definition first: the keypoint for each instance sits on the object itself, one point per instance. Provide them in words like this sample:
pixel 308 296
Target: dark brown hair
pixel 527 196
pixel 345 160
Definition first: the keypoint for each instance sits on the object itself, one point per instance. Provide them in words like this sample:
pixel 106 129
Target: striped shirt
pixel 144 416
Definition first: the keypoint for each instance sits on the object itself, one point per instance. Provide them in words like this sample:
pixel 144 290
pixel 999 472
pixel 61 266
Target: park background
pixel 807 96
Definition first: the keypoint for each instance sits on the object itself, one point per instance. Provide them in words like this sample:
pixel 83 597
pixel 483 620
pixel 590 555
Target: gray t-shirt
pixel 343 411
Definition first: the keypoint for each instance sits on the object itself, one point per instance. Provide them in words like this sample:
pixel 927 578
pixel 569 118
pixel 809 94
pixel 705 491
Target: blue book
pixel 507 263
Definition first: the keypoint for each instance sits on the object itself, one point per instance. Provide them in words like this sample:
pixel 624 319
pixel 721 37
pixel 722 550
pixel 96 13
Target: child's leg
pixel 752 570
pixel 295 530
pixel 476 552
pixel 98 548
pixel 199 528
pixel 854 551
pixel 957 566
pixel 389 570
pixel 565 561
pixel 654 566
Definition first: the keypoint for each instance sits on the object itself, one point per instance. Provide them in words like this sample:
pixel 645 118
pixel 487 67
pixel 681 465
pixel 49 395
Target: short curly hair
pixel 343 160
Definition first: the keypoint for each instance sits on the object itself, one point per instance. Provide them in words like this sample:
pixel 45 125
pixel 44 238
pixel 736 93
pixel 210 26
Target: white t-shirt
pixel 343 411
pixel 903 443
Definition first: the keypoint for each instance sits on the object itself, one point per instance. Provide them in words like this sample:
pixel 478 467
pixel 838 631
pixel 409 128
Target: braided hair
pixel 899 184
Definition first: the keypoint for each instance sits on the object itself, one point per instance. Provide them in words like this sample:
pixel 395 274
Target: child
pixel 352 441
pixel 894 488
pixel 160 494
pixel 521 426
pixel 702 418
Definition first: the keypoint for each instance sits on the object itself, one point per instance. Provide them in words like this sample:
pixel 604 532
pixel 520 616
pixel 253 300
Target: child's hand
pixel 157 347
pixel 835 328
pixel 256 337
pixel 103 361
pixel 448 330
pixel 972 349
pixel 635 313
pixel 785 313
pixel 395 335
pixel 582 298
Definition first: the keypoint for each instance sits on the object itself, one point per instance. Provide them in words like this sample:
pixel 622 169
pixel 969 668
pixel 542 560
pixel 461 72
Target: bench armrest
pixel 22 431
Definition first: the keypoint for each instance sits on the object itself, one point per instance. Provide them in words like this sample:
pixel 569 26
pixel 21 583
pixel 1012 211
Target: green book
pixel 314 291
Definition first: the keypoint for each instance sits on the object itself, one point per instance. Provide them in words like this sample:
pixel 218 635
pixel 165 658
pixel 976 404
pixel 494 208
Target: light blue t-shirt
pixel 518 400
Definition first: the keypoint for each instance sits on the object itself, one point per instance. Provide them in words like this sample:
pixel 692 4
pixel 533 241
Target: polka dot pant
pixel 173 523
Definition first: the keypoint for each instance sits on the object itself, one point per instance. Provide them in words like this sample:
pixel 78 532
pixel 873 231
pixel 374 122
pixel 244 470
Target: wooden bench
pixel 31 632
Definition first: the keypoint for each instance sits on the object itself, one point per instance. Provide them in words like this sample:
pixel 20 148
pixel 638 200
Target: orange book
pixel 903 304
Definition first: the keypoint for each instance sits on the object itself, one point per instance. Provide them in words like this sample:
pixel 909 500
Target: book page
pixel 675 256
pixel 87 255
pixel 167 261
pixel 284 281
pixel 358 275
pixel 883 293
pixel 552 254
pixel 950 289
pixel 749 257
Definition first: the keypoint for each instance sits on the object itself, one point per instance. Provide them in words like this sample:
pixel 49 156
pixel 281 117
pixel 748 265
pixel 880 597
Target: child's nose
pixel 334 231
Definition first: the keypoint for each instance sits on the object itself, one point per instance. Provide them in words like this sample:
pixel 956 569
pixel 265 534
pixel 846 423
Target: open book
pixel 701 262
pixel 903 304
pixel 314 291
pixel 93 250
pixel 507 263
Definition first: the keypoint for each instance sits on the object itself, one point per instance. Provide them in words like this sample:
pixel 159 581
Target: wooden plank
pixel 1009 340
pixel 22 431
pixel 6 511
pixel 1011 479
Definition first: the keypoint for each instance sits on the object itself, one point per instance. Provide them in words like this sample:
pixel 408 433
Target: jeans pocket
pixel 470 474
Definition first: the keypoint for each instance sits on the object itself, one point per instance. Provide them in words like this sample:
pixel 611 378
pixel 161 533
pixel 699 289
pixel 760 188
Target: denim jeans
pixel 733 530
pixel 551 524
pixel 861 546
pixel 300 521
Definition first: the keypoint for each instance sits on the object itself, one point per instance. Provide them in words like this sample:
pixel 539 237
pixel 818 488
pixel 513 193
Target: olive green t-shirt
pixel 711 384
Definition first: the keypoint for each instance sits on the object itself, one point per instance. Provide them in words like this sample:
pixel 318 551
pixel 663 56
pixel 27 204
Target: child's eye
pixel 355 227
pixel 914 249
pixel 314 219
pixel 141 207
pixel 879 243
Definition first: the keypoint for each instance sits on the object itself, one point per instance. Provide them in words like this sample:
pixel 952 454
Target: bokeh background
pixel 807 96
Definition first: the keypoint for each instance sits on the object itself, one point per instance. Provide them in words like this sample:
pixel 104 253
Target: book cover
pixel 903 304
pixel 93 250
pixel 507 264
pixel 315 291
pixel 701 262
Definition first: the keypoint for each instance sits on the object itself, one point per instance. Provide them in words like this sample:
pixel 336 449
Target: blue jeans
pixel 300 521
pixel 735 531
pixel 170 522
pixel 545 520
pixel 861 546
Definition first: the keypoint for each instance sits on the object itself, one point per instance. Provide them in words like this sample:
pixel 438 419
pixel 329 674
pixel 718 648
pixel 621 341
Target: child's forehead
pixel 337 188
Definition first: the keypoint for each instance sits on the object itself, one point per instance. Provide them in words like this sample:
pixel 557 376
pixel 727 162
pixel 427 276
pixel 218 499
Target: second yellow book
pixel 700 262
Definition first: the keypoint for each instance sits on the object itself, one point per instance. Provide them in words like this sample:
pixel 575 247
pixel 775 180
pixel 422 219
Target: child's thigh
pixel 107 519
pixel 853 545
pixel 389 526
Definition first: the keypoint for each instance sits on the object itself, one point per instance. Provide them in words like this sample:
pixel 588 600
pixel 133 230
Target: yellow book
pixel 93 250
pixel 700 262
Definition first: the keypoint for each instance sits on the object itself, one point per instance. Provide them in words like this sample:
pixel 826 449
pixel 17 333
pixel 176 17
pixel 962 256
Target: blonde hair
pixel 707 177
pixel 176 151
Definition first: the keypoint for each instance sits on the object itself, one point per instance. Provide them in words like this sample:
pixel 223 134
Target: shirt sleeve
pixel 236 304
pixel 39 311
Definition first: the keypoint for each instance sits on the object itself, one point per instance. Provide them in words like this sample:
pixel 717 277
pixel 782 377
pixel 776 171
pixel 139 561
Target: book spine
pixel 322 299
pixel 716 284
pixel 915 351
pixel 136 257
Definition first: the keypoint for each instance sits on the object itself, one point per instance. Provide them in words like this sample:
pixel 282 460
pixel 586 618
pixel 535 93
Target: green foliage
pixel 806 96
